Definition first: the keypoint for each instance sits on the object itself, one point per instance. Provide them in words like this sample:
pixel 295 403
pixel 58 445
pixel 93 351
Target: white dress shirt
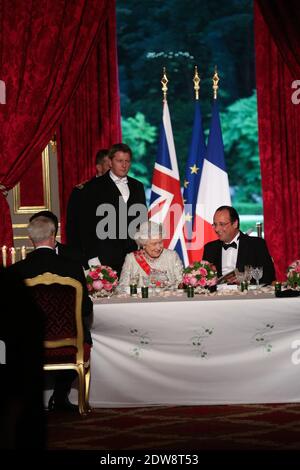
pixel 229 256
pixel 122 185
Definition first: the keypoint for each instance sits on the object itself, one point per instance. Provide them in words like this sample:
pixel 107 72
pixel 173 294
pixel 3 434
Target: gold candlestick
pixel 23 252
pixel 4 256
pixel 13 255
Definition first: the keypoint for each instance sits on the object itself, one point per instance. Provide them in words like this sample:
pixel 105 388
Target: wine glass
pixel 153 279
pixel 146 281
pixel 248 273
pixel 240 276
pixel 134 279
pixel 257 273
pixel 163 279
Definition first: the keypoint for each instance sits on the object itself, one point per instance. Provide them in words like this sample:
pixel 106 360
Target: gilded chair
pixel 60 299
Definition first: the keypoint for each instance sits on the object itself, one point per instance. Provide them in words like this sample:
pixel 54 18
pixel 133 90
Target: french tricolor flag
pixel 214 185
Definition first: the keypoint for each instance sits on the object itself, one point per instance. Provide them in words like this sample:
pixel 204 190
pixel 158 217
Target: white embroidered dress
pixel 168 261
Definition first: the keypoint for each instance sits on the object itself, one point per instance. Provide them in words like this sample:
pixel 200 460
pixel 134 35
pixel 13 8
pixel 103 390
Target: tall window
pixel 180 35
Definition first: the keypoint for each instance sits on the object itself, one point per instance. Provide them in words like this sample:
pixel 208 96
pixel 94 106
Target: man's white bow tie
pixel 122 180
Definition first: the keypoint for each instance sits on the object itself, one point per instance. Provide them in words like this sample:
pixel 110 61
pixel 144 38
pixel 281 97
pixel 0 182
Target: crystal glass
pixel 146 281
pixel 134 279
pixel 248 273
pixel 153 279
pixel 240 276
pixel 257 273
pixel 163 279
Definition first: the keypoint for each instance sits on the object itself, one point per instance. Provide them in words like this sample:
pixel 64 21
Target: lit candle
pixel 13 255
pixel 23 252
pixel 4 255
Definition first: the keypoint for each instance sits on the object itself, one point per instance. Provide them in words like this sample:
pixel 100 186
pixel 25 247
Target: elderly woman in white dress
pixel 151 256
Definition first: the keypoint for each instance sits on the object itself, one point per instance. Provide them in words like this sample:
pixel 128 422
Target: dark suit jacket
pixel 74 218
pixel 253 251
pixel 46 260
pixel 70 252
pixel 113 249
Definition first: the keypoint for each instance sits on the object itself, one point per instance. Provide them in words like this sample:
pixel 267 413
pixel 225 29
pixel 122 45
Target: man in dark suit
pixel 234 249
pixel 43 259
pixel 113 206
pixel 73 219
pixel 60 248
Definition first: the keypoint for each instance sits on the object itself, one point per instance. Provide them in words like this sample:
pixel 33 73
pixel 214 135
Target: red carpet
pixel 239 427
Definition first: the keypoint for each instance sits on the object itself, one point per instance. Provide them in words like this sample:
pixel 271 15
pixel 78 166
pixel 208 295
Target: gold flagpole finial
pixel 196 81
pixel 215 80
pixel 164 81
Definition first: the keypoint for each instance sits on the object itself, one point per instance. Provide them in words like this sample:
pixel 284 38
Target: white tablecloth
pixel 194 352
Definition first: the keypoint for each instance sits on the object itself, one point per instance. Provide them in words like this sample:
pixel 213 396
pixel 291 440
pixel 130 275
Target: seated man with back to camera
pixel 234 249
pixel 44 259
pixel 151 256
pixel 60 248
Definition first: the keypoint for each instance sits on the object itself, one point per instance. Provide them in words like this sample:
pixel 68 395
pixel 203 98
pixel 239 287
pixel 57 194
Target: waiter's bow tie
pixel 121 180
pixel 229 245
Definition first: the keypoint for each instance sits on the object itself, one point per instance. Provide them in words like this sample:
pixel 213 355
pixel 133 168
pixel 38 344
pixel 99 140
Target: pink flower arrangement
pixel 200 274
pixel 293 274
pixel 101 280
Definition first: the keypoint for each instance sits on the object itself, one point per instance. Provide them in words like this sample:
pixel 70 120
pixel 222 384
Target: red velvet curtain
pixel 92 120
pixel 44 49
pixel 277 40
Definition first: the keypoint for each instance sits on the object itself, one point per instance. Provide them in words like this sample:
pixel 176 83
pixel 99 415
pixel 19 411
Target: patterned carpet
pixel 205 428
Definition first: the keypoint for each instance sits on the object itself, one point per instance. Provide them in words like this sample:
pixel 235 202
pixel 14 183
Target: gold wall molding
pixel 18 209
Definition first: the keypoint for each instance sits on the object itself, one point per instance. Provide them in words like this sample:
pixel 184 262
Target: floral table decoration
pixel 293 275
pixel 101 281
pixel 200 275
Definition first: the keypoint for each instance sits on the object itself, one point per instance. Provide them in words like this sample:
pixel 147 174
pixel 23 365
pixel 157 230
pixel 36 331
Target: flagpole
pixel 166 205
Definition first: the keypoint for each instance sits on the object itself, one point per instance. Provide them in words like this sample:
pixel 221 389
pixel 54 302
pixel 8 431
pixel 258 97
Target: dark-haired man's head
pixel 102 162
pixel 226 223
pixel 47 214
pixel 120 159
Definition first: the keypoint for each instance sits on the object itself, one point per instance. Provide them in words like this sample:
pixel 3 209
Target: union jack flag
pixel 166 204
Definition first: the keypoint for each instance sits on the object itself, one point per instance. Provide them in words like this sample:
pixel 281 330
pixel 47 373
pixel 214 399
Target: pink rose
pixel 193 281
pixel 93 274
pixel 202 282
pixel 97 285
pixel 203 271
pixel 108 286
